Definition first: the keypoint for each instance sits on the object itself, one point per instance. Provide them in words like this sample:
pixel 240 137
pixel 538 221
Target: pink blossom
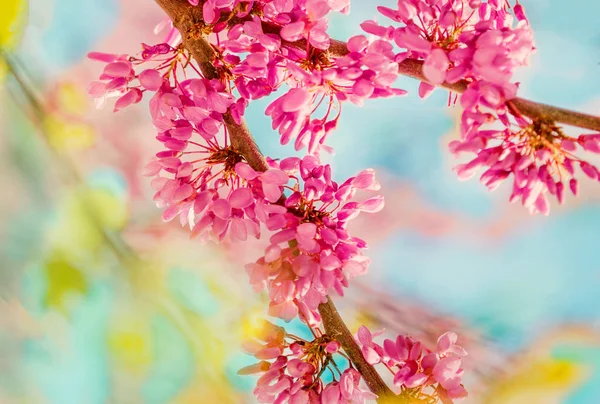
pixel 446 344
pixel 416 368
pixel 538 155
pixel 435 67
pixel 272 180
pixel 289 112
pixel 371 352
pixel 291 370
pixel 119 75
pixel 456 40
pixel 311 252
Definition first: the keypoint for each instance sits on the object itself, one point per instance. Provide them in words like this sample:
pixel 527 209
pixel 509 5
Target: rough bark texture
pixel 336 328
pixel 188 21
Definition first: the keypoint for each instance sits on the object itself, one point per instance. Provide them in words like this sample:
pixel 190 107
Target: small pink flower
pixel 435 66
pixel 371 352
pixel 150 79
pixel 272 180
pixel 448 373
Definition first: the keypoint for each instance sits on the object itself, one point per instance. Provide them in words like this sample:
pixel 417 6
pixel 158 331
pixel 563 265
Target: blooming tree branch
pixel 336 328
pixel 414 68
pixel 184 18
pixel 183 14
pixel 221 54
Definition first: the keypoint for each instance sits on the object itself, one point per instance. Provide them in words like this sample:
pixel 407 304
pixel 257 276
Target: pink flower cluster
pixel 418 370
pixel 119 75
pixel 200 178
pixel 480 43
pixel 459 39
pixel 263 45
pixel 312 252
pixel 292 368
pixel 307 20
pixel 315 79
pixel 194 176
pixel 304 19
pixel 260 46
pixel 540 157
pixel 367 72
pixel 116 81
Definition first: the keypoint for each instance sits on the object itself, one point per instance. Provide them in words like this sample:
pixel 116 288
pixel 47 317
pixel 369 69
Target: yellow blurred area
pixel 81 218
pixel 198 392
pixel 63 134
pixel 148 276
pixel 64 281
pixel 71 99
pixel 12 24
pixel 128 341
pixel 362 318
pixel 545 381
pixel 252 324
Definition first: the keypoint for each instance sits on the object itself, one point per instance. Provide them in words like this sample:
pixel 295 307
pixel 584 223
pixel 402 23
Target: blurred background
pixel 101 302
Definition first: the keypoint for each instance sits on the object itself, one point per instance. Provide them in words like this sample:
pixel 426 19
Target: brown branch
pixel 187 19
pixel 336 328
pixel 414 68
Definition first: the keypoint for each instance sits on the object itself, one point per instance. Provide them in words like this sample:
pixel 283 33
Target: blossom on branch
pixel 420 373
pixel 459 39
pixel 312 253
pixel 292 368
pixel 538 154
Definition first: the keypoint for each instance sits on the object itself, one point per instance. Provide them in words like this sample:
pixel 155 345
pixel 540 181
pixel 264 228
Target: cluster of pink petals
pixel 539 156
pixel 291 116
pixel 301 19
pixel 262 62
pixel 119 78
pixel 367 72
pixel 347 390
pixel 459 39
pixel 416 367
pixel 480 42
pixel 291 371
pixel 194 174
pixel 219 200
pixel 260 72
pixel 308 20
pixel 115 81
pixel 199 178
pixel 212 10
pixel 312 253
